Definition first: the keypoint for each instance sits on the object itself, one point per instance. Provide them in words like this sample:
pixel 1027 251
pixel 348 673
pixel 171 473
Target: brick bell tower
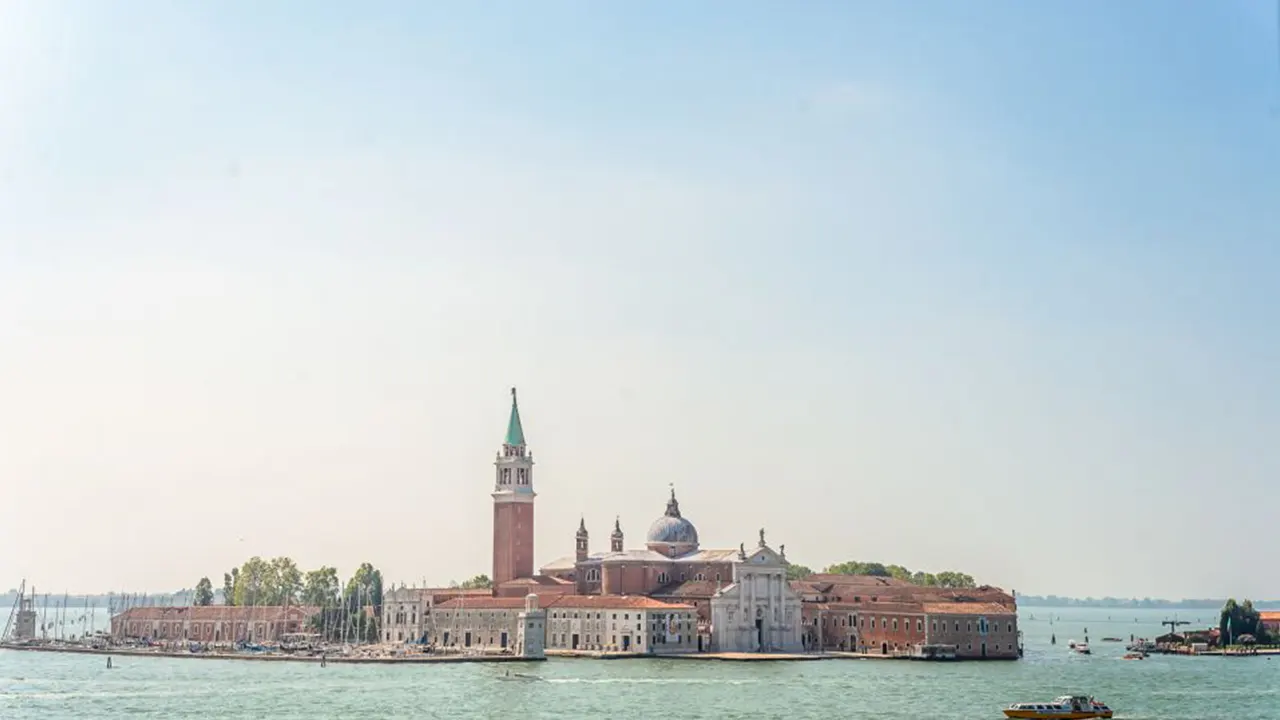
pixel 513 504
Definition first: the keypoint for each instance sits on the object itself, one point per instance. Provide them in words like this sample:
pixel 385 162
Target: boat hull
pixel 1051 715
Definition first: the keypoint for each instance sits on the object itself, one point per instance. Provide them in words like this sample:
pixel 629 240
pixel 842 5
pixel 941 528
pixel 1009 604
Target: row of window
pixel 593 642
pixel 983 626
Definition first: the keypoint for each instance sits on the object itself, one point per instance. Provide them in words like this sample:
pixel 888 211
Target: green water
pixel 47 685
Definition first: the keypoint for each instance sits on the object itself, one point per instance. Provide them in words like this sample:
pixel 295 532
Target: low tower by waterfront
pixel 531 630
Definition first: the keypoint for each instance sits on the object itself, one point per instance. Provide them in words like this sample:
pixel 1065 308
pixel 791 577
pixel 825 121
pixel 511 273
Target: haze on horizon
pixel 987 286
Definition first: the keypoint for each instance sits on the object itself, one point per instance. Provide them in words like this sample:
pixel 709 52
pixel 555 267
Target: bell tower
pixel 615 539
pixel 581 540
pixel 513 504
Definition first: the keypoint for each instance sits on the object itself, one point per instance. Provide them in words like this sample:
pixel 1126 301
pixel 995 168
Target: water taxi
pixel 1066 707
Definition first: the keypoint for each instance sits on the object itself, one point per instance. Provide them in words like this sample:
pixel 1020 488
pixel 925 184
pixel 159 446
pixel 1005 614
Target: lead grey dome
pixel 671 528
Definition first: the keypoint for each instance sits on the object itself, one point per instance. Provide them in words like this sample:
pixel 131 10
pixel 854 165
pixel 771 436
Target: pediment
pixel 765 557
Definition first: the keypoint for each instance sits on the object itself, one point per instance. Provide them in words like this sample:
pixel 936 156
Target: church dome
pixel 671 528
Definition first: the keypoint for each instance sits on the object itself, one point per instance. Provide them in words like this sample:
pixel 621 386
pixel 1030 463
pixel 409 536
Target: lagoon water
pixel 49 685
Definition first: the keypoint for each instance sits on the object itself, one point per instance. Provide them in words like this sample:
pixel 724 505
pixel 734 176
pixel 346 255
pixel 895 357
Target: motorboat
pixel 1134 656
pixel 1082 648
pixel 1065 707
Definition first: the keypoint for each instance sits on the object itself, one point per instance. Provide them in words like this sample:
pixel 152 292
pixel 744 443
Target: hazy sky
pixel 989 286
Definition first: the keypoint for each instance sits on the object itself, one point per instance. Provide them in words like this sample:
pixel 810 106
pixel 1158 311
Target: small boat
pixel 1112 639
pixel 1082 648
pixel 1134 656
pixel 1066 707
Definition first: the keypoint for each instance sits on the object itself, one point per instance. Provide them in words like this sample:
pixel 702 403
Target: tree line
pixel 946 579
pixel 279 581
pixel 1241 624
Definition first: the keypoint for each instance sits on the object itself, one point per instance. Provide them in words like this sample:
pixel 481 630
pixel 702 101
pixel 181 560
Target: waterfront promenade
pixel 382 655
pixel 51 686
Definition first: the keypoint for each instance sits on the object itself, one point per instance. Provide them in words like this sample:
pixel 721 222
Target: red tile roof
pixel 218 613
pixel 1269 615
pixel 860 580
pixel 698 589
pixel 536 580
pixel 607 602
pixel 878 608
pixel 974 608
pixel 486 602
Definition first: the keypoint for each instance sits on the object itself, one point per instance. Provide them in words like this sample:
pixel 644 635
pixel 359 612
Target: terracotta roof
pixel 568 562
pixel 877 608
pixel 534 581
pixel 604 602
pixel 861 580
pixel 483 603
pixel 976 608
pixel 215 613
pixel 701 589
pixel 1269 615
pixel 710 556
pixel 398 594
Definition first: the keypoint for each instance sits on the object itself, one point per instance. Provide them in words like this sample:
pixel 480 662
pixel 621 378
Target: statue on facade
pixel 742 551
pixel 782 551
pixel 761 537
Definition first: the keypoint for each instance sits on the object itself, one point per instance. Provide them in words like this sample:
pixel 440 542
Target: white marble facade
pixel 758 612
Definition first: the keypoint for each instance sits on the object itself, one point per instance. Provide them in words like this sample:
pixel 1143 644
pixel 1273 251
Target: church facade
pixel 759 611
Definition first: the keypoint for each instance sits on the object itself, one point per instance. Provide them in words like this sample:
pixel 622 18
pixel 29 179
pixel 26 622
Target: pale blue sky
pixel 976 285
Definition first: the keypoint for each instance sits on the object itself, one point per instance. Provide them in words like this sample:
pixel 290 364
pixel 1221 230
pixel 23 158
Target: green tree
pixel 924 579
pixel 253 583
pixel 204 592
pixel 1241 619
pixel 321 587
pixel 798 572
pixel 949 579
pixel 854 567
pixel 479 581
pixel 952 579
pixel 229 586
pixel 285 583
pixel 898 572
pixel 364 588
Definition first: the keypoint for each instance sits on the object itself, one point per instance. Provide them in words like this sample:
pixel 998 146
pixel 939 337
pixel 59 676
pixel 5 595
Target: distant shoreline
pixel 341 659
pixel 1134 603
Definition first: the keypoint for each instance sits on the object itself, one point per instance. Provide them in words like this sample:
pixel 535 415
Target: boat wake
pixel 649 681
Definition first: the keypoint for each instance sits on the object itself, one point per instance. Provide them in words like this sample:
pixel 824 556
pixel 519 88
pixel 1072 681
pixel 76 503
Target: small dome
pixel 671 528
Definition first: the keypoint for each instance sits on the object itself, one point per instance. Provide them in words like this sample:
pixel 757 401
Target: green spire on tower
pixel 515 433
